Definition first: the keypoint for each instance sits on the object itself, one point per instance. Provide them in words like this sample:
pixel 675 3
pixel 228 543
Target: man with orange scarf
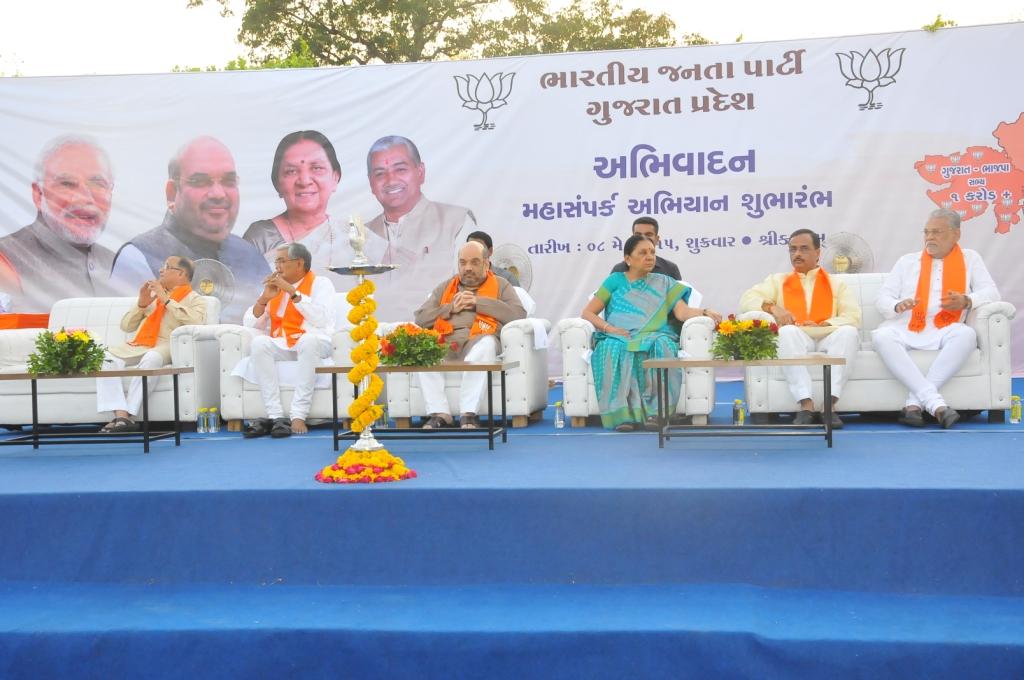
pixel 163 305
pixel 924 302
pixel 296 312
pixel 469 311
pixel 815 313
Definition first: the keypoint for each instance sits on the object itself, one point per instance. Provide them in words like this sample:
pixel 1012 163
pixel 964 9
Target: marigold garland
pixel 356 466
pixel 365 467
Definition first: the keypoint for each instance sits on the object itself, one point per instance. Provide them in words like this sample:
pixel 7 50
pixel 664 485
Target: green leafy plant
pixel 66 352
pixel 410 345
pixel 751 339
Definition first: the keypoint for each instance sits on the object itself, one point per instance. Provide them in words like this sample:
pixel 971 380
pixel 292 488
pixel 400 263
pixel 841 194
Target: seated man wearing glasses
pixel 815 313
pixel 296 313
pixel 924 302
pixel 202 205
pixel 164 304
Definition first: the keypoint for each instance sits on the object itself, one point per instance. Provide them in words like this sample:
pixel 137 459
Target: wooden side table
pixel 440 433
pixel 37 437
pixel 667 431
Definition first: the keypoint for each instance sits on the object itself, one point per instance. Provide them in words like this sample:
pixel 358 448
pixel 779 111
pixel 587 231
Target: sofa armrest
pixel 530 380
pixel 16 344
pixel 987 310
pixel 697 336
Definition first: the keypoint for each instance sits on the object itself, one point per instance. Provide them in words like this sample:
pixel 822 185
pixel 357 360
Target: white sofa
pixel 579 398
pixel 74 400
pixel 240 400
pixel 983 382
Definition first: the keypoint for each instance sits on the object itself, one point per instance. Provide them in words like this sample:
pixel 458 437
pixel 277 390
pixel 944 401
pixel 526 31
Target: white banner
pixel 730 147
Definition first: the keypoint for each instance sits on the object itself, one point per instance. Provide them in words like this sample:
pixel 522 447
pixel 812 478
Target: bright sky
pixel 67 37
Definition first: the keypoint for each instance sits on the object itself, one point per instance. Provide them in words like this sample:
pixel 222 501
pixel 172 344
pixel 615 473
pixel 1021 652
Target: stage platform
pixel 573 553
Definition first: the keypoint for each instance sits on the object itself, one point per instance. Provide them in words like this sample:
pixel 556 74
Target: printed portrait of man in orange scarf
pixel 924 301
pixel 815 313
pixel 468 310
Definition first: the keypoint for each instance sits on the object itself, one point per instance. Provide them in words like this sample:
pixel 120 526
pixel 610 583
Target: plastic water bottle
pixel 739 412
pixel 213 420
pixel 201 420
pixel 559 415
pixel 1015 410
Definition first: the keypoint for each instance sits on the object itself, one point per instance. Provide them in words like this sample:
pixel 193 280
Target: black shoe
pixel 281 428
pixel 837 423
pixel 625 427
pixel 947 417
pixel 259 427
pixel 913 417
pixel 805 418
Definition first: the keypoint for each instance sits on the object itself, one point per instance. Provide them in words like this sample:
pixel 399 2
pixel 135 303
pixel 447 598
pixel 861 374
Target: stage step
pixel 665 631
pixel 939 541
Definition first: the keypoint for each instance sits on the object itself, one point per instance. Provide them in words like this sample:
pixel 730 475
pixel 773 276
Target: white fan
pixel 512 257
pixel 847 253
pixel 212 277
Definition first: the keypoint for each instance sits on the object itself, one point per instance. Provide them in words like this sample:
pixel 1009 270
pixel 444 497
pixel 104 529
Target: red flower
pixel 775 328
pixel 440 340
pixel 757 323
pixel 454 346
pixel 386 348
pixel 732 317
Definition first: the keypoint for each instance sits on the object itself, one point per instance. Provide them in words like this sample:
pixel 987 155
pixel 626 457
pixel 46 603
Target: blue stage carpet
pixel 561 554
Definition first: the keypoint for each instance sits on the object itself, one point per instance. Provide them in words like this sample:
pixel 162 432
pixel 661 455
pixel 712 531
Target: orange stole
pixel 794 300
pixel 954 278
pixel 289 324
pixel 149 331
pixel 483 324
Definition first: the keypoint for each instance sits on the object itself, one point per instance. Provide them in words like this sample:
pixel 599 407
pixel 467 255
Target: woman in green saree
pixel 637 306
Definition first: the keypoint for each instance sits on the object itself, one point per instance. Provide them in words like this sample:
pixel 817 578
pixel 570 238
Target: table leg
pixel 504 414
pixel 826 376
pixel 145 414
pixel 334 406
pixel 661 409
pixel 177 419
pixel 35 416
pixel 490 412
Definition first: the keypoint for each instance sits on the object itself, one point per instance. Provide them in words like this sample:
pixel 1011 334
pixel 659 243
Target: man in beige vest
pixel 164 304
pixel 421 235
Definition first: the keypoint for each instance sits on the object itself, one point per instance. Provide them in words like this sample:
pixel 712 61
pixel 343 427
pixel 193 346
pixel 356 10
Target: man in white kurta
pixel 821 314
pixel 927 312
pixel 163 305
pixel 296 313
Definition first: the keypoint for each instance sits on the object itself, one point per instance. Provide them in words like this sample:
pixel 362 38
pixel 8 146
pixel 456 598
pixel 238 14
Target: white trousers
pixel 309 350
pixel 843 342
pixel 954 347
pixel 472 386
pixel 110 394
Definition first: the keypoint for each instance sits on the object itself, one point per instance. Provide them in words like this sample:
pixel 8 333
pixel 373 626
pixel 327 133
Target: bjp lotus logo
pixel 870 71
pixel 484 93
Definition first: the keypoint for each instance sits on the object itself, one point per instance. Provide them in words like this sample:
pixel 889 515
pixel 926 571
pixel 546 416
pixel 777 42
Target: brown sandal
pixel 435 422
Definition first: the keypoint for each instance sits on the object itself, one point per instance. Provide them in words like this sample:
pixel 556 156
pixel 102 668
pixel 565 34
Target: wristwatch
pixel 296 297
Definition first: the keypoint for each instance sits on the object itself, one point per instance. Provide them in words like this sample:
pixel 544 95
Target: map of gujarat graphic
pixel 970 181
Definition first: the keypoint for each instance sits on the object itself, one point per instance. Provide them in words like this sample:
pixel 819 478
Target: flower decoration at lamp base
pixel 366 461
pixel 66 352
pixel 750 339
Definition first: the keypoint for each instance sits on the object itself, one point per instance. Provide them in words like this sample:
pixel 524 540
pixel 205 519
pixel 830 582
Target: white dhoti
pixel 110 395
pixel 473 382
pixel 843 342
pixel 308 352
pixel 954 343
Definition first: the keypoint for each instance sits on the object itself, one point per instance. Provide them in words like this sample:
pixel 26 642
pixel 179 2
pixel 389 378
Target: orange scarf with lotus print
pixel 483 325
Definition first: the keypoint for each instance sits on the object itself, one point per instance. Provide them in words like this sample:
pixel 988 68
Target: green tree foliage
pixel 939 23
pixel 532 28
pixel 288 33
